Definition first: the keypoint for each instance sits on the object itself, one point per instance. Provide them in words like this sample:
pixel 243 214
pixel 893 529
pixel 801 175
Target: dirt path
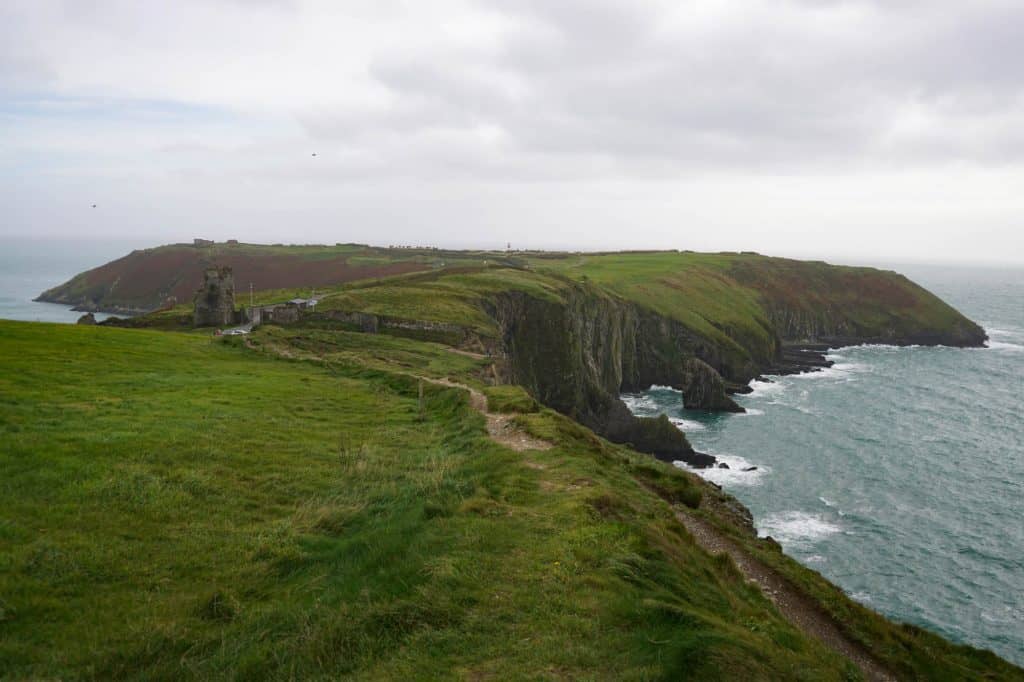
pixel 500 427
pixel 796 607
pixel 468 353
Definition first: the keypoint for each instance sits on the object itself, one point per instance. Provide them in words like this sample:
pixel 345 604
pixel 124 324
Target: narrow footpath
pixel 500 427
pixel 796 607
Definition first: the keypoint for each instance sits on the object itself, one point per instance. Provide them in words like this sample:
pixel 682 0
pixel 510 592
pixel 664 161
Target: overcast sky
pixel 882 130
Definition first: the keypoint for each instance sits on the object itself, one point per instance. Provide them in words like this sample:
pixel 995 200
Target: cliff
pixel 575 341
pixel 578 354
pixel 576 330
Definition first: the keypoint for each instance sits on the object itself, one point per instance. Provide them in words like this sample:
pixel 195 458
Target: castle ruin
pixel 215 300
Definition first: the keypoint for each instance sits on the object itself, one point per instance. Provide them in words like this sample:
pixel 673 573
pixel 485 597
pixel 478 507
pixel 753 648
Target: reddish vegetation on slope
pixel 144 280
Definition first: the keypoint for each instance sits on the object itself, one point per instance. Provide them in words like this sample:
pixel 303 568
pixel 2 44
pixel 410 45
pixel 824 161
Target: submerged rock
pixel 750 469
pixel 723 465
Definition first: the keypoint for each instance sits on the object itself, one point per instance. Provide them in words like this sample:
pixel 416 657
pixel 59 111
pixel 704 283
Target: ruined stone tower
pixel 215 300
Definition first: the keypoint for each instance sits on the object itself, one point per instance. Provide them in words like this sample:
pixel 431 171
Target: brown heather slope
pixel 145 279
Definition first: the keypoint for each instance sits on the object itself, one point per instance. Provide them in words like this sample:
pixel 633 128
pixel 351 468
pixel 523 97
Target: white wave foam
pixel 1002 333
pixel 763 389
pixel 797 528
pixel 659 387
pixel 751 412
pixel 639 402
pixel 1005 346
pixel 862 597
pixel 887 347
pixel 686 424
pixel 840 370
pixel 734 475
pixel 825 502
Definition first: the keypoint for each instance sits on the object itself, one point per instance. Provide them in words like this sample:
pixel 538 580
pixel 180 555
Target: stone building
pixel 215 300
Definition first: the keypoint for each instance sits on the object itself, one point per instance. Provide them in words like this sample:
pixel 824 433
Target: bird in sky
pixel 314 153
pixel 94 205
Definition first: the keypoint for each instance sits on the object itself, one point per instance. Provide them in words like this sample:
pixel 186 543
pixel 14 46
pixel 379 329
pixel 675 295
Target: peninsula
pixel 421 467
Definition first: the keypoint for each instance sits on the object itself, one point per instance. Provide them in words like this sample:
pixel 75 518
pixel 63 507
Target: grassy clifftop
pixel 577 329
pixel 743 303
pixel 177 507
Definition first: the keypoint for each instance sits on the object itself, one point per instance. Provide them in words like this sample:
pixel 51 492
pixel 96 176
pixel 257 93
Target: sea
pixel 28 267
pixel 898 473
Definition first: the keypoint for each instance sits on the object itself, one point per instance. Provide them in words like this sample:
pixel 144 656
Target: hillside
pixel 286 507
pixel 145 279
pixel 742 303
pixel 576 330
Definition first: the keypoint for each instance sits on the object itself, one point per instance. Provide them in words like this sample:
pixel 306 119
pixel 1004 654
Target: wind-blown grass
pixel 179 507
pixel 175 507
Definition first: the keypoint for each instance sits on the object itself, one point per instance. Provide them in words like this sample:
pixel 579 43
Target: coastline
pixel 901 471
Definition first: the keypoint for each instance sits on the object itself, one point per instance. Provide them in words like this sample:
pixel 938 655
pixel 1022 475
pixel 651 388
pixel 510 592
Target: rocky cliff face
pixel 577 355
pixel 815 303
pixel 834 327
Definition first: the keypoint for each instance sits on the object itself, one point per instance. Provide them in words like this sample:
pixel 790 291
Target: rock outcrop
pixel 704 388
pixel 577 354
pixel 88 318
pixel 215 300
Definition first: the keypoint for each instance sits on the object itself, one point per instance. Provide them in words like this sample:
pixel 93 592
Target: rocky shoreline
pixel 89 307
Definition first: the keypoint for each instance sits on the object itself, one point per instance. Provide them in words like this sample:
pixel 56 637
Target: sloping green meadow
pixel 175 507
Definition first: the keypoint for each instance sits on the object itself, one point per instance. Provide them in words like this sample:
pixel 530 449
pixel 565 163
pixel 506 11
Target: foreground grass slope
pixel 174 507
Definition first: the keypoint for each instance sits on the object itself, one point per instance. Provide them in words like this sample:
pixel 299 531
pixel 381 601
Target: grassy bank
pixel 179 507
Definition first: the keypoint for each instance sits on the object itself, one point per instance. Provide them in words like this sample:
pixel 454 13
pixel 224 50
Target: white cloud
pixel 710 124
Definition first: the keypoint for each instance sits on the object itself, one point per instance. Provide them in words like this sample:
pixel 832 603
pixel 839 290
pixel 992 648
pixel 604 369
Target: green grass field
pixel 175 506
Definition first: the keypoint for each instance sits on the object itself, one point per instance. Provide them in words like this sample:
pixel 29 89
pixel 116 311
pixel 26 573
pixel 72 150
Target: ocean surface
pixel 28 267
pixel 898 473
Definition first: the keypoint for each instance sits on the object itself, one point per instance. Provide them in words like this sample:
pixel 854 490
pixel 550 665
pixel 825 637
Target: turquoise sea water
pixel 28 267
pixel 899 473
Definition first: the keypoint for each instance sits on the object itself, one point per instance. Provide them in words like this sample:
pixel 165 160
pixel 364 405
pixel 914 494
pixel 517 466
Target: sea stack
pixel 215 300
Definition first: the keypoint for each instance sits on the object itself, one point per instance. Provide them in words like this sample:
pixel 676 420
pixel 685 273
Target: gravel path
pixel 796 607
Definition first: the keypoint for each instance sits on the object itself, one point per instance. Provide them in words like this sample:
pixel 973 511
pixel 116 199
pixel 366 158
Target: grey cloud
pixel 752 90
pixel 557 121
